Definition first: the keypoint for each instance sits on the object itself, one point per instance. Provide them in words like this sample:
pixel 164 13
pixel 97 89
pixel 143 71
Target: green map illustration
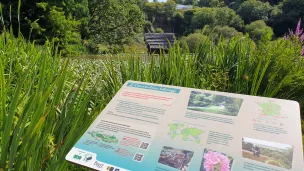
pixel 270 108
pixel 187 133
pixel 103 137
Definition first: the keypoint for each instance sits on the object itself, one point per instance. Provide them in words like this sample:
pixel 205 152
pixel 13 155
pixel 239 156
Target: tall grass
pixel 273 69
pixel 44 107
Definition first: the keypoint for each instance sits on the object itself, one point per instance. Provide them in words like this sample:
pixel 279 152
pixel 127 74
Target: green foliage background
pixel 47 102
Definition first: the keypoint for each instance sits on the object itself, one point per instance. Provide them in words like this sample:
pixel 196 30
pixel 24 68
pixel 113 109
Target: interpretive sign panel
pixel 152 127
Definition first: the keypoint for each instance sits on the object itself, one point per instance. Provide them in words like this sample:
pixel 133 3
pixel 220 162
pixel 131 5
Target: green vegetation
pixel 217 104
pixel 258 30
pixel 281 157
pixel 47 102
pixel 103 137
pixel 112 26
pixel 46 109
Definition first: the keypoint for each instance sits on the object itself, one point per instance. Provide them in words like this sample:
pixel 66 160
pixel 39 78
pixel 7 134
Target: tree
pixel 293 8
pixel 113 21
pixel 204 3
pixel 253 10
pixel 190 2
pixel 57 21
pixel 78 10
pixel 161 14
pixel 169 9
pixel 187 18
pixel 228 17
pixel 216 17
pixel 234 4
pixel 286 15
pixel 216 3
pixel 179 1
pixel 205 16
pixel 179 24
pixel 259 29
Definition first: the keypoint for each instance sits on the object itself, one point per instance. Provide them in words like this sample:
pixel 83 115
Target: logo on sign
pixel 110 168
pixel 97 164
pixel 77 157
pixel 87 157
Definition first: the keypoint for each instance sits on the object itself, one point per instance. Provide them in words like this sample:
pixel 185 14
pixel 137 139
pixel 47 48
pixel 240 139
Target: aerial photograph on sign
pixel 216 161
pixel 272 153
pixel 212 103
pixel 176 158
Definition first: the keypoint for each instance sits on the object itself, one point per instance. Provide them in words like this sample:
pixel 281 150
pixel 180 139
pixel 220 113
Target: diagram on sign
pixel 103 137
pixel 271 113
pixel 186 132
pixel 270 109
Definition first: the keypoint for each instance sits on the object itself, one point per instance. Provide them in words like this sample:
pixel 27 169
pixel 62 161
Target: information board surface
pixel 152 127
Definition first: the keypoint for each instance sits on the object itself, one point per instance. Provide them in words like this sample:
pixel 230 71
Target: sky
pixel 267 143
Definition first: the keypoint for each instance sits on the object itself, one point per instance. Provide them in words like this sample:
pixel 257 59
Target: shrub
pixel 192 41
pixel 225 31
pixel 159 30
pixel 259 29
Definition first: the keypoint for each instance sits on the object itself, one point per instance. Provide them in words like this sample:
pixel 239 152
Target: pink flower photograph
pixel 215 161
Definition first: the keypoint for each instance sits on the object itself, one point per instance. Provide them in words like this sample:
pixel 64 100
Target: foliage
pixel 47 104
pixel 207 102
pixel 113 21
pixel 161 14
pixel 297 36
pixel 211 3
pixel 293 8
pixel 253 10
pixel 228 17
pixel 159 30
pixel 49 20
pixel 224 32
pixel 203 17
pixel 216 17
pixel 287 16
pixel 45 107
pixel 258 30
pixel 180 25
pixel 276 156
pixel 192 41
pixel 204 3
pixel 148 27
pixel 61 29
pixel 188 2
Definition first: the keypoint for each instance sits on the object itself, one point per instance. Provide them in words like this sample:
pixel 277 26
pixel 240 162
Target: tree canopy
pixel 90 23
pixel 113 21
pixel 253 10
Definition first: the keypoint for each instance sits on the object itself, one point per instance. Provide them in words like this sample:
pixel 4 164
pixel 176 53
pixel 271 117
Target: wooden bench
pixel 159 42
